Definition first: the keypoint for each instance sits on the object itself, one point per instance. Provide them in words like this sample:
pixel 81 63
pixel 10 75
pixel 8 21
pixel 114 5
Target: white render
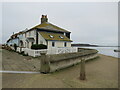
pixel 58 44
pixel 41 40
pixel 30 34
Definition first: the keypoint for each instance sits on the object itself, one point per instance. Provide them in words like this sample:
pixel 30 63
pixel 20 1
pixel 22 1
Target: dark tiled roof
pixel 55 36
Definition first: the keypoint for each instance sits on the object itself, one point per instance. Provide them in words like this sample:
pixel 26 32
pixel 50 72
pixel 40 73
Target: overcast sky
pixel 89 22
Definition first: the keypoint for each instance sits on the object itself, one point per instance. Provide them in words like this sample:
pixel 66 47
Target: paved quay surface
pixel 12 61
pixel 101 73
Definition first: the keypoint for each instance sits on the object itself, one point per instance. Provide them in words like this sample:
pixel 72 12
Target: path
pixel 101 73
pixel 13 61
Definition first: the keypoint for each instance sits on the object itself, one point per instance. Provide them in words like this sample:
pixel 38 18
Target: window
pixel 51 36
pixel 53 44
pixel 61 37
pixel 65 44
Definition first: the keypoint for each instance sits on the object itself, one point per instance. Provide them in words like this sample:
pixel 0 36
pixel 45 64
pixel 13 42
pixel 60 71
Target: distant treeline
pixel 89 45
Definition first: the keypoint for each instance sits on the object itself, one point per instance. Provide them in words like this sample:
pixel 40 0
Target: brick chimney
pixel 44 19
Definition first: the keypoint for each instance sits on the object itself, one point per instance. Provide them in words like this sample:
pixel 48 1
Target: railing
pixel 60 50
pixel 18 49
pixel 52 50
pixel 66 50
pixel 34 53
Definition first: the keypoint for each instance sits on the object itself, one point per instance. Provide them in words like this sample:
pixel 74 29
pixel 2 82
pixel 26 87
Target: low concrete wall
pixel 66 63
pixel 51 63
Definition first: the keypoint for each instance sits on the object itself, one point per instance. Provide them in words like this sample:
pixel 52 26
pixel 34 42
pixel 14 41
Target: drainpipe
pixel 36 36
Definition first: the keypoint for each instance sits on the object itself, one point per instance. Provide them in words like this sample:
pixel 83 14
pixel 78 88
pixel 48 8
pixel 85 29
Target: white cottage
pixel 48 34
pixel 44 33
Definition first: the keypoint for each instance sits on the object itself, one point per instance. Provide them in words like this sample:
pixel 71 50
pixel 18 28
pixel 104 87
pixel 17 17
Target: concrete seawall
pixel 52 63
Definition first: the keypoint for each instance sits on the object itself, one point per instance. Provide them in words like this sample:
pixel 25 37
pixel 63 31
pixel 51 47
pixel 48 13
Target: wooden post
pixel 44 64
pixel 82 70
pixel 20 49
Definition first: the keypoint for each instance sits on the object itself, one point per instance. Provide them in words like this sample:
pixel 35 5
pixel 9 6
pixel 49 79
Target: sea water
pixel 106 50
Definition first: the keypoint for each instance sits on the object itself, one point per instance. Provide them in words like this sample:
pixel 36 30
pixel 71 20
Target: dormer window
pixel 61 37
pixel 51 36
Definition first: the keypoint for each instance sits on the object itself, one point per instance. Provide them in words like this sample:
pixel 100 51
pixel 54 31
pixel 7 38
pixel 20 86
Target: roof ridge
pixel 49 26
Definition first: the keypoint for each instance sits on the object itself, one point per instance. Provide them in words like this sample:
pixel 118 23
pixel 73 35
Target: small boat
pixel 116 50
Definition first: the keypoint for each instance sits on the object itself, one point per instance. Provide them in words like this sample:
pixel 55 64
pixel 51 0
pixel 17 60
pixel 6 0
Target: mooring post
pixel 82 69
pixel 44 63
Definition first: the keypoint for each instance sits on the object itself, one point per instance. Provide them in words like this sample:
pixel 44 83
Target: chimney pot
pixel 44 18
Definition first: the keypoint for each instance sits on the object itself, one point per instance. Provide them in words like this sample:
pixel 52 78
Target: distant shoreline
pixel 88 45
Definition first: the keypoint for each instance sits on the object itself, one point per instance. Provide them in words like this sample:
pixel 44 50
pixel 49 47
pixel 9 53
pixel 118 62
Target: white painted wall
pixel 29 34
pixel 58 44
pixel 13 41
pixel 49 44
pixel 41 40
pixel 68 44
pixel 24 40
pixel 9 43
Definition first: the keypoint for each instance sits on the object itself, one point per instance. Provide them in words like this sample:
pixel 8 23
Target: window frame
pixel 65 44
pixel 53 44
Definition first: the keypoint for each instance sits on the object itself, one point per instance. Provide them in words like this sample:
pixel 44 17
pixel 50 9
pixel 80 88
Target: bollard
pixel 44 64
pixel 82 70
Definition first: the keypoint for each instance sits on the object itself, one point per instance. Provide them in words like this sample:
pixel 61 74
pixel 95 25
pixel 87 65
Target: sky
pixel 89 22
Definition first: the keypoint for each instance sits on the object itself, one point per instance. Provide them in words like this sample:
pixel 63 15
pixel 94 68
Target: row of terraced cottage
pixel 55 38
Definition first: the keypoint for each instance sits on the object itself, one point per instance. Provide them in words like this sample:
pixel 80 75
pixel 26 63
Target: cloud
pixel 89 22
